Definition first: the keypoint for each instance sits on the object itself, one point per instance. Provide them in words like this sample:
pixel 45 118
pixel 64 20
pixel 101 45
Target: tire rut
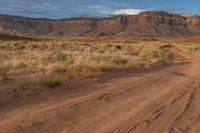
pixel 143 121
pixel 189 119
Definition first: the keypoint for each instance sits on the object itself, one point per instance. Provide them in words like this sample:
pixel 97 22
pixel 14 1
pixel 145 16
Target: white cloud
pixel 127 11
pixel 109 11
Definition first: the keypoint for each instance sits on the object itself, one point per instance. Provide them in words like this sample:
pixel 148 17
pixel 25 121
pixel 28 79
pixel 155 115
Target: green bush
pixel 163 59
pixel 58 55
pixel 51 81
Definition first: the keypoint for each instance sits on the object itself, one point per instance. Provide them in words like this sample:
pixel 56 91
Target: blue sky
pixel 70 8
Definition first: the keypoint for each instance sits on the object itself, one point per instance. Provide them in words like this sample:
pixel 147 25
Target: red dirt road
pixel 165 100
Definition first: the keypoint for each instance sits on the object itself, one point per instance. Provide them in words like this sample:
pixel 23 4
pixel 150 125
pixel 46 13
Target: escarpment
pixel 156 24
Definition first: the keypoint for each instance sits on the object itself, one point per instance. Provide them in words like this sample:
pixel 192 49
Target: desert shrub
pixel 155 55
pixel 118 46
pixel 164 59
pixel 51 81
pixel 133 62
pixel 112 48
pixel 69 61
pixel 83 71
pixel 4 72
pixel 79 58
pixel 32 46
pixel 58 55
pixel 194 48
pixel 57 68
pixel 19 45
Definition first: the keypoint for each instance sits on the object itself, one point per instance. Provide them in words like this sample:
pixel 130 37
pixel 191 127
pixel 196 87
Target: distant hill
pixel 154 24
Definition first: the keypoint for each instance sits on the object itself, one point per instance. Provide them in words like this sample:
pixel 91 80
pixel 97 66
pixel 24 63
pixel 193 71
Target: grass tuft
pixel 58 55
pixel 155 55
pixel 51 81
pixel 83 71
pixel 4 69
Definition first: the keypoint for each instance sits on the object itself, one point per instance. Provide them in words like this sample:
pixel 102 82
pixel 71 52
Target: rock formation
pixel 156 24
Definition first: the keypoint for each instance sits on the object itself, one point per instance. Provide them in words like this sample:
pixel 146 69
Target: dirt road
pixel 152 101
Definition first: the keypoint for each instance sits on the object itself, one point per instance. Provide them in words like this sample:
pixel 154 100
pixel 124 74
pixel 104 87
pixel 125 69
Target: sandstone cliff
pixel 143 24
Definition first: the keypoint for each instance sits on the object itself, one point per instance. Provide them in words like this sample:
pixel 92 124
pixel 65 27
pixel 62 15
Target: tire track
pixel 153 112
pixel 190 117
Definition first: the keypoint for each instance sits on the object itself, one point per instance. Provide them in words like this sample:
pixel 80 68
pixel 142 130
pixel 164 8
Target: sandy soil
pixel 152 101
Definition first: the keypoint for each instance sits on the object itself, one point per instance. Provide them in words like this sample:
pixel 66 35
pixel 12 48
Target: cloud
pixel 71 8
pixel 137 11
pixel 99 9
pixel 127 11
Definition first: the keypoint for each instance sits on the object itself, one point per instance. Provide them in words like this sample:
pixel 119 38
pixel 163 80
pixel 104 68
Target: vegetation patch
pixel 77 58
pixel 83 71
pixel 4 69
pixel 51 81
pixel 155 55
pixel 194 48
pixel 27 82
pixel 58 55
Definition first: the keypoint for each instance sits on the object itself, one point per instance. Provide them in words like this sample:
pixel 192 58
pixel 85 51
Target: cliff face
pixel 158 24
pixel 143 24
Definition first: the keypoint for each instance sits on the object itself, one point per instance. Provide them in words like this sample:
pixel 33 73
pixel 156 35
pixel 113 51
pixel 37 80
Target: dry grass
pixel 76 57
pixel 189 47
pixel 155 55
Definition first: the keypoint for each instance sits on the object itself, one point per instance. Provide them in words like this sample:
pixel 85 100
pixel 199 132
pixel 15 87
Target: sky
pixel 74 8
